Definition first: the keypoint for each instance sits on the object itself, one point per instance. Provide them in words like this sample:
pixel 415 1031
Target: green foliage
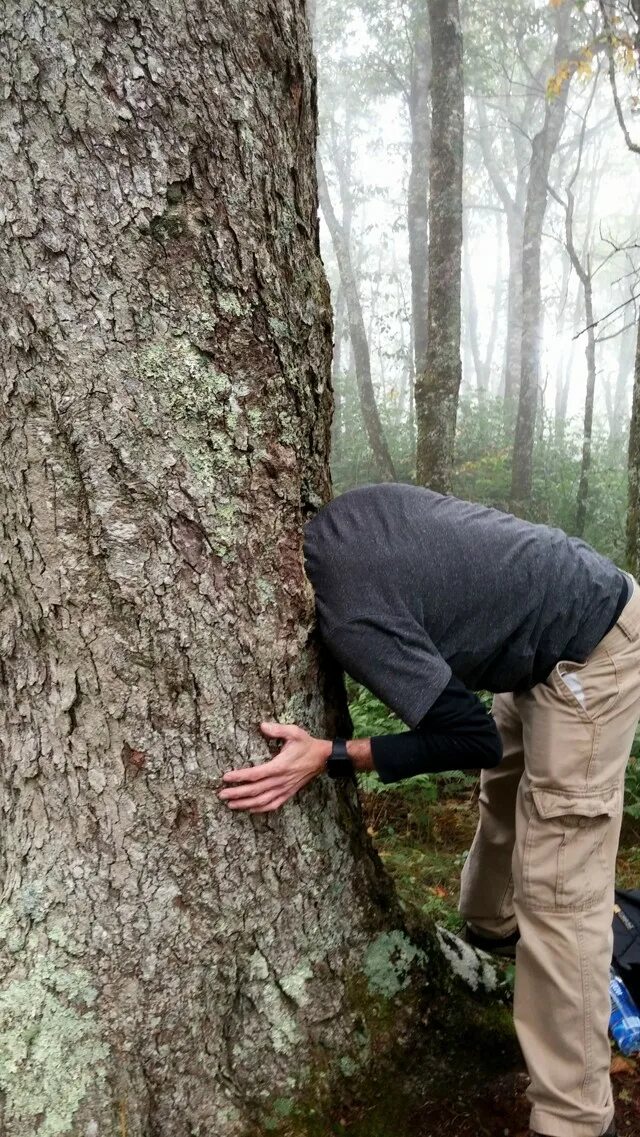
pixel 368 715
pixel 482 469
pixel 632 782
pixel 483 473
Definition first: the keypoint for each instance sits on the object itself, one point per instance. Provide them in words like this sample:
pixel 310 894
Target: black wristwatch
pixel 339 764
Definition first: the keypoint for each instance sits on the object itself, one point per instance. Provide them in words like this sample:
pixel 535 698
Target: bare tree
pixel 437 387
pixel 543 146
pixel 582 267
pixel 513 203
pixel 612 39
pixel 357 333
pixel 417 198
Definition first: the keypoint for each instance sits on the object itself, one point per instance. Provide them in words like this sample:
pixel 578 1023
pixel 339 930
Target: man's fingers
pixel 261 801
pixel 275 804
pixel 274 767
pixel 251 789
pixel 282 730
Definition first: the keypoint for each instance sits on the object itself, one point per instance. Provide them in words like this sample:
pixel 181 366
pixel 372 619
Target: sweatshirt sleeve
pixel 457 733
pixel 392 655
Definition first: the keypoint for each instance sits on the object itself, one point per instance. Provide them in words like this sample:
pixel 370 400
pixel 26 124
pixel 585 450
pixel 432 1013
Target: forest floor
pixel 423 845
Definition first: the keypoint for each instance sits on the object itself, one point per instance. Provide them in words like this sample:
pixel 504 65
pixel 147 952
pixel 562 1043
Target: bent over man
pixel 426 599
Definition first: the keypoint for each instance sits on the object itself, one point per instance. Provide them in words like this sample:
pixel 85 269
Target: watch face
pixel 340 767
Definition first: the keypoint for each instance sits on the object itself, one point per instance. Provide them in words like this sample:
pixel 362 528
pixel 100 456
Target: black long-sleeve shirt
pixel 457 733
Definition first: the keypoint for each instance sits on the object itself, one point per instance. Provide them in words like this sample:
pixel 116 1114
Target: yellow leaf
pixel 584 68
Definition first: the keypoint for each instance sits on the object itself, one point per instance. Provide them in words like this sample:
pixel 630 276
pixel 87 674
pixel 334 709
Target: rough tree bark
pixel 437 386
pixel 168 967
pixel 357 334
pixel 542 150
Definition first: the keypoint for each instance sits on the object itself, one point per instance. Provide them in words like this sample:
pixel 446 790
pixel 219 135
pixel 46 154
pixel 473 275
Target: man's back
pixel 412 586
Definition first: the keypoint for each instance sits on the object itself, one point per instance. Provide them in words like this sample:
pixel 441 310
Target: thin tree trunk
pixel 543 148
pixel 513 347
pixel 417 199
pixel 583 272
pixel 437 387
pixel 562 399
pixel 561 322
pixel 336 376
pixel 618 416
pixel 472 342
pixel 495 311
pixel 590 352
pixel 514 211
pixel 633 511
pixel 357 332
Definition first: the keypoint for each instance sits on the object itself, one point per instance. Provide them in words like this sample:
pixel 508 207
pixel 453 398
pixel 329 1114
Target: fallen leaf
pixel 620 1065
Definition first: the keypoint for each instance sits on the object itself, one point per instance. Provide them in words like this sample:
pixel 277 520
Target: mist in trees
pixel 482 166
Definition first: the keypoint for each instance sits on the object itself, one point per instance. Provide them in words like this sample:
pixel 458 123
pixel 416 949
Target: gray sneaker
pixel 503 945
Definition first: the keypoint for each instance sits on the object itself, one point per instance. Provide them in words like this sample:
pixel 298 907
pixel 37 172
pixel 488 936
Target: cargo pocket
pixel 568 862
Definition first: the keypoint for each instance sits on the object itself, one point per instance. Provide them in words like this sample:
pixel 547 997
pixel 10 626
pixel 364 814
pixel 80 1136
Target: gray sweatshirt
pixel 412 587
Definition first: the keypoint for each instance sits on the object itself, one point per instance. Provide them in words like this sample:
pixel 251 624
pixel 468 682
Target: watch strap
pixel 339 764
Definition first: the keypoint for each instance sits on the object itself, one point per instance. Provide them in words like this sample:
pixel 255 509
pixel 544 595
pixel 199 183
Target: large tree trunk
pixel 417 198
pixel 543 148
pixel 168 967
pixel 358 336
pixel 438 385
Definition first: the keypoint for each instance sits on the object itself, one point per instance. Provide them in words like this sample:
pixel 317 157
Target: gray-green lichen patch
pixel 33 901
pixel 51 1051
pixel 279 328
pixel 348 1067
pixel 185 379
pixel 208 418
pixel 295 984
pixel 228 302
pixel 388 962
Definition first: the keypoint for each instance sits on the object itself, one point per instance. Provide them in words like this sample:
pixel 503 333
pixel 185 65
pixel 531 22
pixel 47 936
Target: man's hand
pixel 263 788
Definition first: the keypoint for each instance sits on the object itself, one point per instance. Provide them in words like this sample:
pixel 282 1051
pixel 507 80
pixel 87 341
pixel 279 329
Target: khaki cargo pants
pixel 543 859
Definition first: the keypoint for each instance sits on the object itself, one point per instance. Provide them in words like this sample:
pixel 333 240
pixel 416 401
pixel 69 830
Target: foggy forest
pixel 319 561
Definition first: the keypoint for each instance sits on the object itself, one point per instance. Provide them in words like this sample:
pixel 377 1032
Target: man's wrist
pixel 359 751
pixel 325 747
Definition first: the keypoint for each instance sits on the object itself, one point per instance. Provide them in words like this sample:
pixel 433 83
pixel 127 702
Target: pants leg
pixel 486 886
pixel 578 728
